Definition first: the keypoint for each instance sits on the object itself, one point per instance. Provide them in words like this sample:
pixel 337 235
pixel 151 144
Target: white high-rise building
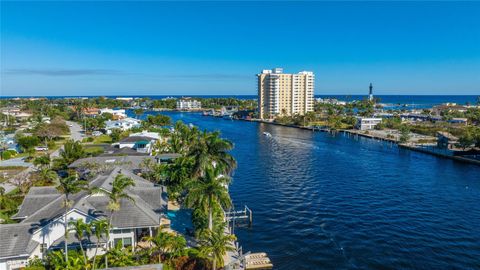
pixel 188 104
pixel 282 94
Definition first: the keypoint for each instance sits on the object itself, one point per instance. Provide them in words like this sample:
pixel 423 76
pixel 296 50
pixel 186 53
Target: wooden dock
pixel 257 261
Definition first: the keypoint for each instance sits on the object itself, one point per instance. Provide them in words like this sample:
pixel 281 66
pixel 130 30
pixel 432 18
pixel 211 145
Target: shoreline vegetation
pixel 328 115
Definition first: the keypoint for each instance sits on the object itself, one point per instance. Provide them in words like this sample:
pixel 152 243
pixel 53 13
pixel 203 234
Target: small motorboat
pixel 267 134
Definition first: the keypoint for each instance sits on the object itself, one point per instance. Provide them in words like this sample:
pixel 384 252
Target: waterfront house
pixel 117 114
pixel 128 162
pixel 122 124
pixel 132 163
pixel 446 140
pixel 367 123
pixel 41 219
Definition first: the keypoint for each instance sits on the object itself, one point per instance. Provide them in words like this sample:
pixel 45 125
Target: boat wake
pixel 293 142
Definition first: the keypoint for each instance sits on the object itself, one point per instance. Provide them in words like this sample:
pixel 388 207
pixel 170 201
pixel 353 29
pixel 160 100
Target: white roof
pixel 153 135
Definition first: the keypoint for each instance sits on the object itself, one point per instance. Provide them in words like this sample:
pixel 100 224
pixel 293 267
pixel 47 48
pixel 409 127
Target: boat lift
pixel 238 216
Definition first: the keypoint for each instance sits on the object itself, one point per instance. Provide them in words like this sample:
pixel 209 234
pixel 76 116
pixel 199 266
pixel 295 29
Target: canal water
pixel 338 202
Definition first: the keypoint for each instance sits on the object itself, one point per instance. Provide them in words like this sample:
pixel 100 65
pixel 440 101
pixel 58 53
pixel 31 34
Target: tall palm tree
pixel 81 230
pixel 119 257
pixel 165 242
pixel 177 246
pixel 99 228
pixel 209 150
pixel 183 138
pixel 177 175
pixel 209 191
pixel 47 175
pixel 71 151
pixel 69 186
pixel 42 161
pixel 215 245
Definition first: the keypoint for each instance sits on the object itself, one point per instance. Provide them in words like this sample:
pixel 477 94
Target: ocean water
pixel 339 202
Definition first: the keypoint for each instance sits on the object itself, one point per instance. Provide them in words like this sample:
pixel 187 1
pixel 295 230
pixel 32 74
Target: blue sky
pixel 195 48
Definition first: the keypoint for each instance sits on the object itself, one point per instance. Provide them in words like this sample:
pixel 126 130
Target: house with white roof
pixel 122 124
pixel 117 114
pixel 141 142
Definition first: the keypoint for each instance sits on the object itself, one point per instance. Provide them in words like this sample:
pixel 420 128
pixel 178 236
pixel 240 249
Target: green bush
pixel 50 144
pixel 35 264
pixel 8 154
pixel 28 142
pixel 88 139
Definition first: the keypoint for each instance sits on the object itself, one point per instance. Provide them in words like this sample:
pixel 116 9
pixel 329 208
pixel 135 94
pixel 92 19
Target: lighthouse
pixel 370 92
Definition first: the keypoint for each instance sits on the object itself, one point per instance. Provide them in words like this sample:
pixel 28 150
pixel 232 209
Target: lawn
pixel 102 139
pixel 94 150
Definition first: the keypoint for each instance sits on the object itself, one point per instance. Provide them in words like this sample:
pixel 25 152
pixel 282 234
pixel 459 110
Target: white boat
pixel 267 134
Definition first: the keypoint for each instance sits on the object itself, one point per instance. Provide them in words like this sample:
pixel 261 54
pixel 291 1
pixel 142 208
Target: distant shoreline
pixel 409 100
pixel 369 136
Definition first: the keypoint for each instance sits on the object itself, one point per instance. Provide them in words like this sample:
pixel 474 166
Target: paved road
pixel 76 132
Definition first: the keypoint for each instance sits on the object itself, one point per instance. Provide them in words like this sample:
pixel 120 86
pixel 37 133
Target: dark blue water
pixel 338 202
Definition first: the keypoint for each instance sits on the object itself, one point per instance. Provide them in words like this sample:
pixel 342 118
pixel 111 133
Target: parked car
pixel 96 133
pixel 41 148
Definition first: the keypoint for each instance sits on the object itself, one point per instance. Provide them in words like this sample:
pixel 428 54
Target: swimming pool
pixel 180 220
